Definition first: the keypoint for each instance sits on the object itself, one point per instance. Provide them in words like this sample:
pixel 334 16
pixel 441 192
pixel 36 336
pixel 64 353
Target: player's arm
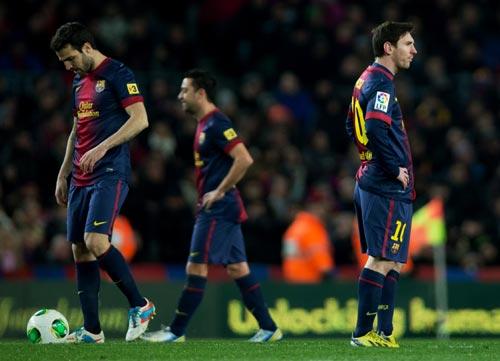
pixel 61 191
pixel 377 132
pixel 378 123
pixel 349 123
pixel 242 160
pixel 137 122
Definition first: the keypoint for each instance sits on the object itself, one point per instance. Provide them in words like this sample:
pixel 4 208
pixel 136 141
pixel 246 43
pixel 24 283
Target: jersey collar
pixel 100 66
pixel 208 115
pixel 380 68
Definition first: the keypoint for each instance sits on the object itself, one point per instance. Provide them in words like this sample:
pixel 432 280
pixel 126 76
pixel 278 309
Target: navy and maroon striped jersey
pixel 375 124
pixel 99 101
pixel 214 139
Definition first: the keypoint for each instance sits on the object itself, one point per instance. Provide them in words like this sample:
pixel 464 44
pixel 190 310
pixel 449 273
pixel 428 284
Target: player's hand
pixel 403 177
pixel 210 198
pixel 61 192
pixel 89 159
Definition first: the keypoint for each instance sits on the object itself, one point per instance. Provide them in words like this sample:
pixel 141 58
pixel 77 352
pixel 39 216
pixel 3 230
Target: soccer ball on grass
pixel 47 326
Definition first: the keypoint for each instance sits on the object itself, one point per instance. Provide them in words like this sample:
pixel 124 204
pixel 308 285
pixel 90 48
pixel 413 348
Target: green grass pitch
pixel 230 349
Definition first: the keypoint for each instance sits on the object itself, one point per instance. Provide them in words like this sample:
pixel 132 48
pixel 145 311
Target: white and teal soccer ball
pixel 47 326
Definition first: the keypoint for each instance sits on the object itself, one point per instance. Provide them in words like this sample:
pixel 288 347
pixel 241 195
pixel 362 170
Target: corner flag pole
pixel 429 229
pixel 440 290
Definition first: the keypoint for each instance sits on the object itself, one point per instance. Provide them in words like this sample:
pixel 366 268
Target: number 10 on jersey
pixel 359 121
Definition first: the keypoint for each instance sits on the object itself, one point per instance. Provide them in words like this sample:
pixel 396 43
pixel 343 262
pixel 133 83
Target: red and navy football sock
pixel 88 280
pixel 188 303
pixel 370 286
pixel 386 308
pixel 254 301
pixel 115 265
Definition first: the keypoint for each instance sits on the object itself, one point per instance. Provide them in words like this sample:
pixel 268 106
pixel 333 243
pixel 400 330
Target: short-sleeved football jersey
pixel 214 139
pixel 99 101
pixel 374 100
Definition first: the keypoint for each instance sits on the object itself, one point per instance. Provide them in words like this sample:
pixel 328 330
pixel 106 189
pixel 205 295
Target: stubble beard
pixel 403 64
pixel 187 109
pixel 87 64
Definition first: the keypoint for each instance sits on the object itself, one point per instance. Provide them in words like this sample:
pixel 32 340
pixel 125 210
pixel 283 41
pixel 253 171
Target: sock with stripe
pixel 88 280
pixel 370 286
pixel 254 301
pixel 117 268
pixel 188 303
pixel 386 308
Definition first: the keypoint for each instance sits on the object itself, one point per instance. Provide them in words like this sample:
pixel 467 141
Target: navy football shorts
pixel 384 225
pixel 94 208
pixel 216 241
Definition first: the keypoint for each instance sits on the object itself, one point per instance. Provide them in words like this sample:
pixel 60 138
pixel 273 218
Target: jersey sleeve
pixel 224 135
pixel 126 86
pixel 380 102
pixel 378 122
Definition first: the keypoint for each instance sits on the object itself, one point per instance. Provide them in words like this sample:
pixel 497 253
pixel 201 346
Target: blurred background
pixel 286 69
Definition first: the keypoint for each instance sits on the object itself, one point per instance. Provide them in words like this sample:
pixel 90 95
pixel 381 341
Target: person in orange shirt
pixel 307 251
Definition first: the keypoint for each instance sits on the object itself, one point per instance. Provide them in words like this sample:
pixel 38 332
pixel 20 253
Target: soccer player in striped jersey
pixel 221 160
pixel 384 190
pixel 108 111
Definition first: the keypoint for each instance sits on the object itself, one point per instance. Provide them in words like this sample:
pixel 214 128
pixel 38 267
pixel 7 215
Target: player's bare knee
pixel 237 270
pixel 81 253
pixel 97 243
pixel 380 265
pixel 398 267
pixel 197 269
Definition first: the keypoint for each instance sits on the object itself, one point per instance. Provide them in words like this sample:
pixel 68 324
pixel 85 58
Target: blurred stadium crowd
pixel 286 70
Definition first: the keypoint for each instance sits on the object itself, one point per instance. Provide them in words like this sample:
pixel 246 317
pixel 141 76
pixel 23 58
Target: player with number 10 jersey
pixel 375 111
pixel 374 100
pixel 384 189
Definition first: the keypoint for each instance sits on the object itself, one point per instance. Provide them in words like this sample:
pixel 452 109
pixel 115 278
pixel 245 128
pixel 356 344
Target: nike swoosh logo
pixel 371 313
pixel 97 224
pixel 192 254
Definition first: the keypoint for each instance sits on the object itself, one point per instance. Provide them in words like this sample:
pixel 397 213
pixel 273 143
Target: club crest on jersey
pixel 100 85
pixel 201 139
pixel 382 101
pixel 230 134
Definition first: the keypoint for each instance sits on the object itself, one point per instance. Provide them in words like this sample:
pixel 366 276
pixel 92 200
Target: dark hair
pixel 389 31
pixel 202 79
pixel 74 34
